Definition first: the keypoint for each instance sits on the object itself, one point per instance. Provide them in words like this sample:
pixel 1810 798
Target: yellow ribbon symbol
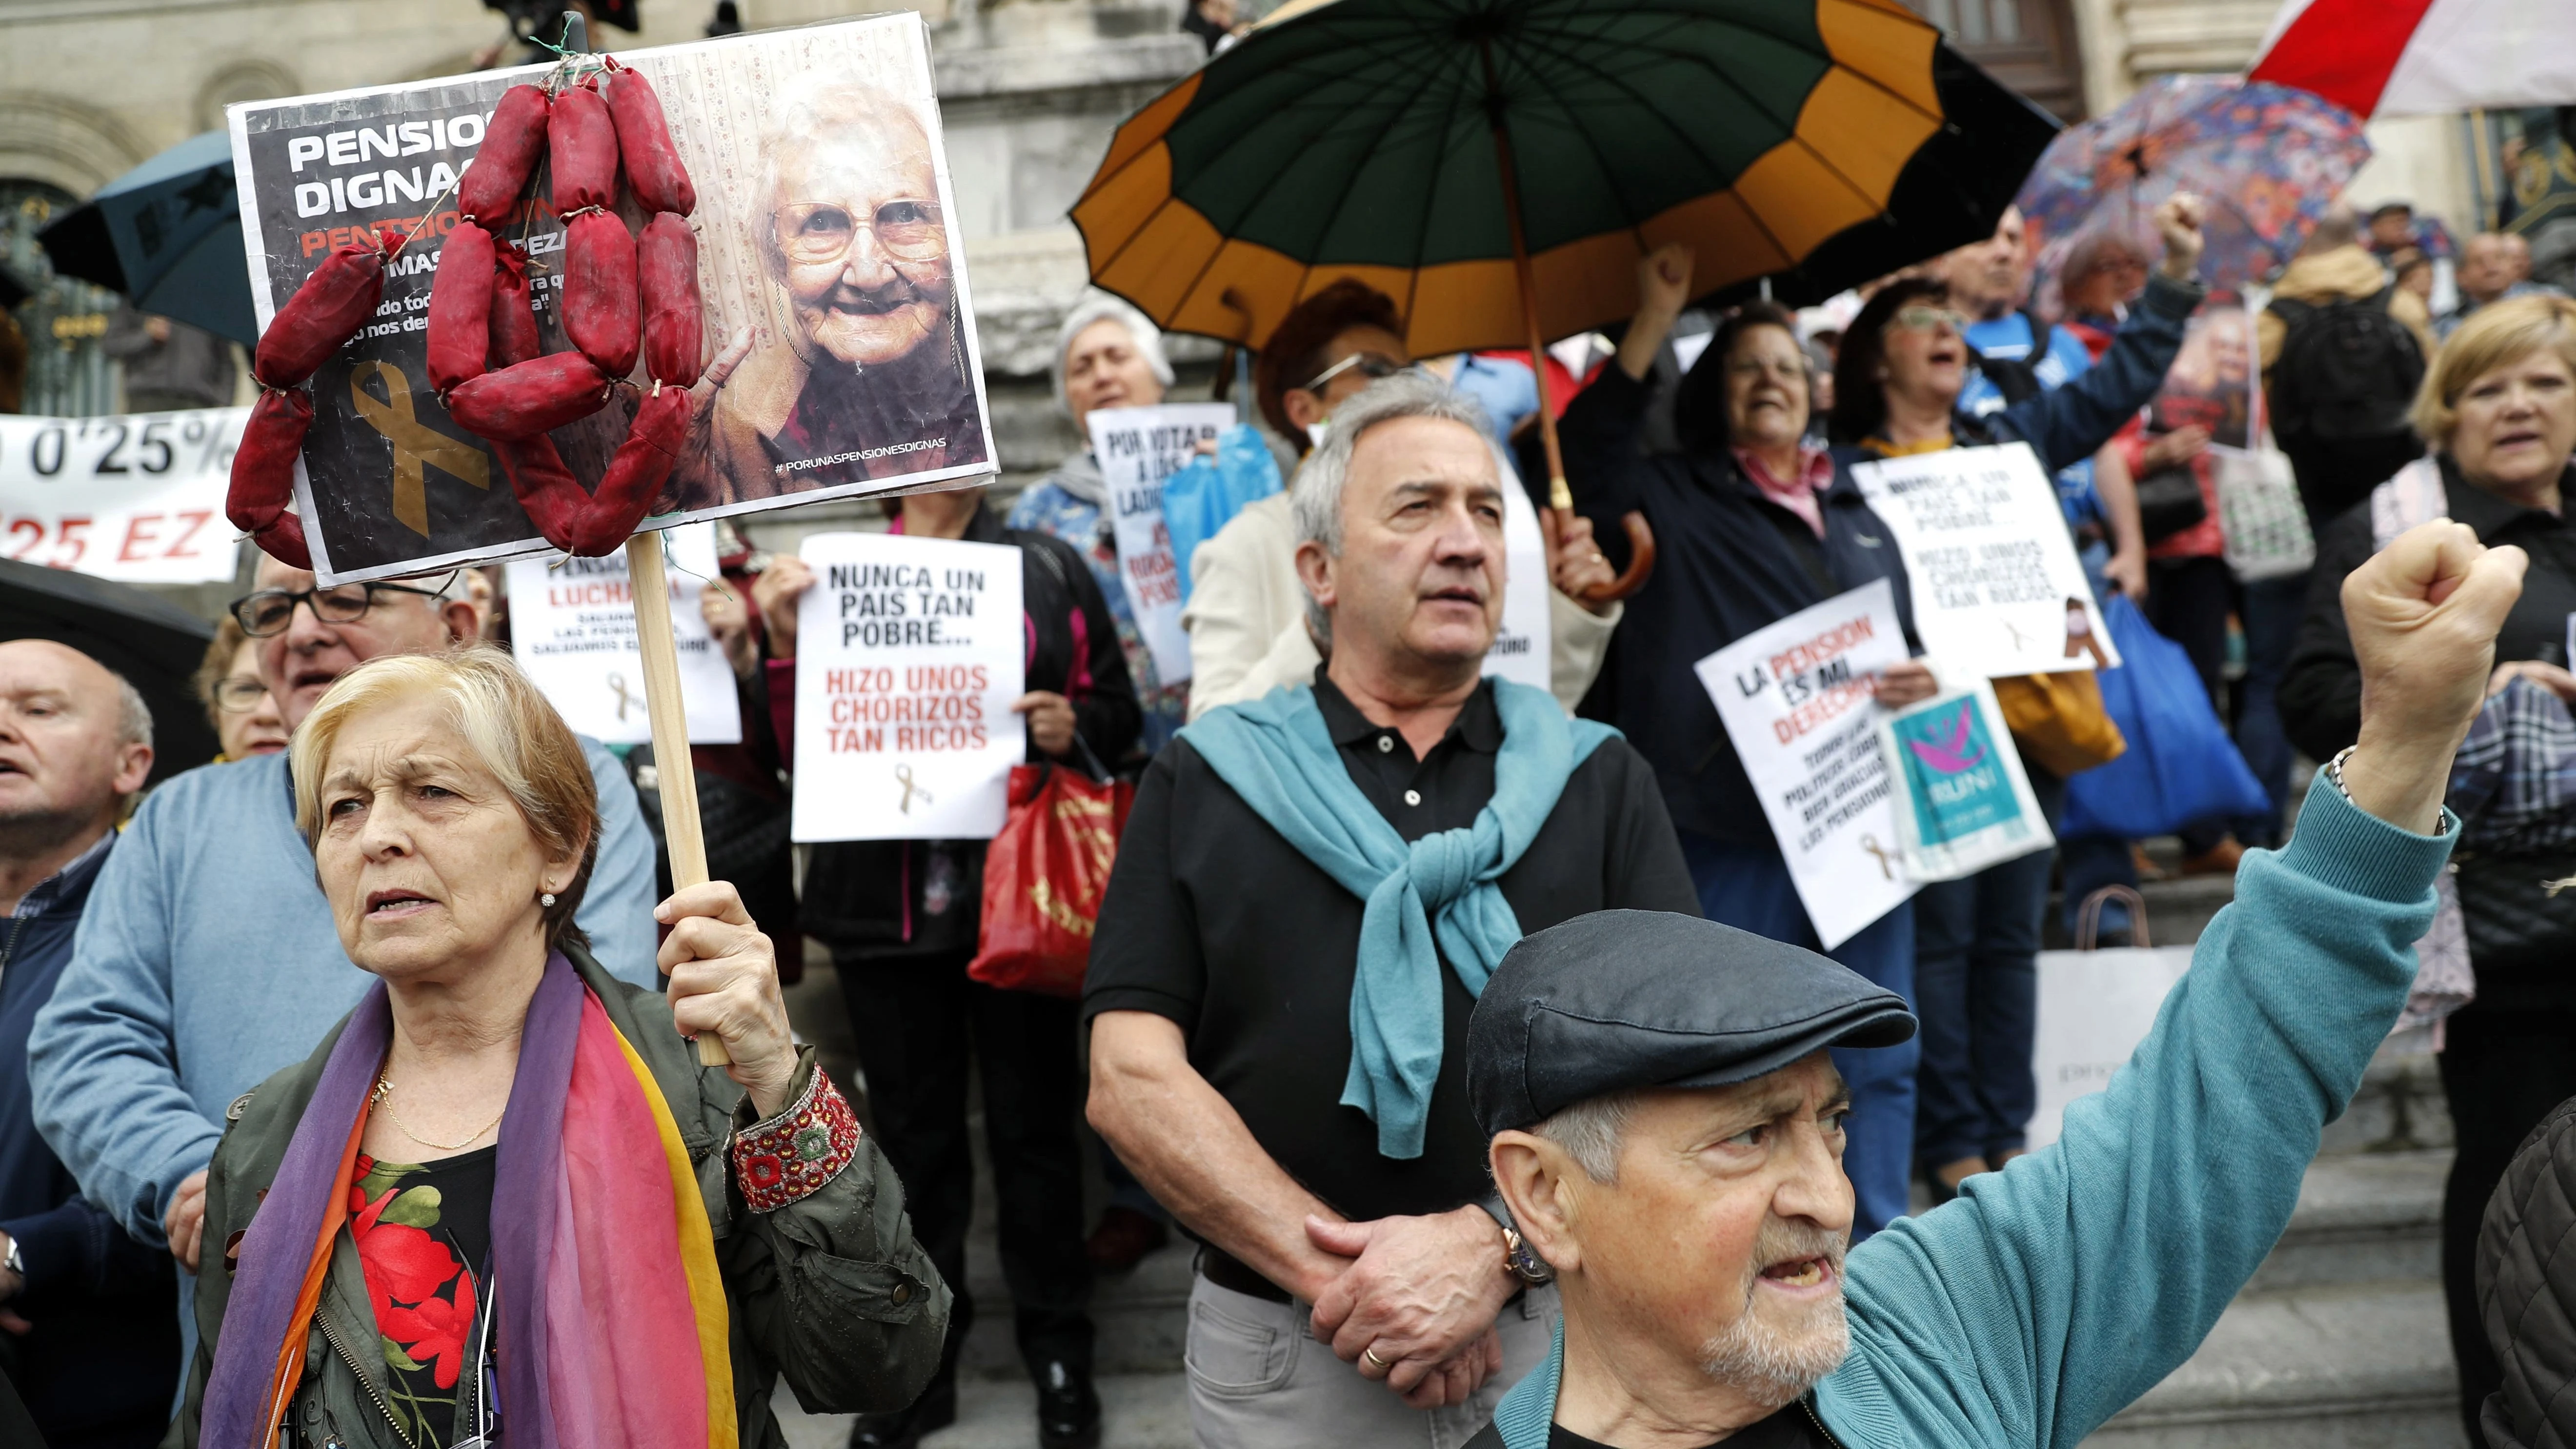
pixel 903 776
pixel 415 443
pixel 617 682
pixel 1870 844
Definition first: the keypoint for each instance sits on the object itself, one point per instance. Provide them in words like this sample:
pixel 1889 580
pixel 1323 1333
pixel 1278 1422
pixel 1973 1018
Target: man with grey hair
pixel 1310 891
pixel 870 379
pixel 2494 265
pixel 1668 1129
pixel 209 959
pixel 87 1309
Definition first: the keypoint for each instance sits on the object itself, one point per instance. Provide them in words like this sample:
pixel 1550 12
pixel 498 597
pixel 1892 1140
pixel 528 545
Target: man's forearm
pixel 1189 1147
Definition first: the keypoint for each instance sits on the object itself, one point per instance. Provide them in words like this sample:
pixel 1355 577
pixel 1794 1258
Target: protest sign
pixel 572 628
pixel 1520 648
pixel 1996 585
pixel 827 402
pixel 1962 802
pixel 1799 702
pixel 138 497
pixel 908 655
pixel 1137 449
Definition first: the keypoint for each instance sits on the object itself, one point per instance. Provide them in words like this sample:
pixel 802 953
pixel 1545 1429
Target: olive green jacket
pixel 830 1290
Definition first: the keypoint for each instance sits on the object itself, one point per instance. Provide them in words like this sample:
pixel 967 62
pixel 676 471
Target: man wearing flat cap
pixel 1667 1128
pixel 1309 892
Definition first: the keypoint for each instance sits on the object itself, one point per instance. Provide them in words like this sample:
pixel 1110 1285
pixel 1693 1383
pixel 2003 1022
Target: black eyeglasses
pixel 267 613
pixel 1371 365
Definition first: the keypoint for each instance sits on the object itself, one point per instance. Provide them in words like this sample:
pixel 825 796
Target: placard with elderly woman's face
pixel 840 341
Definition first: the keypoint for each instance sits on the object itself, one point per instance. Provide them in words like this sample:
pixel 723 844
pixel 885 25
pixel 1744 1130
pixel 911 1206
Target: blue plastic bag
pixel 2180 767
pixel 1207 493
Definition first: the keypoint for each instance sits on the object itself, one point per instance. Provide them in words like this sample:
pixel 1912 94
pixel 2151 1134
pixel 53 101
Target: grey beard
pixel 1755 1358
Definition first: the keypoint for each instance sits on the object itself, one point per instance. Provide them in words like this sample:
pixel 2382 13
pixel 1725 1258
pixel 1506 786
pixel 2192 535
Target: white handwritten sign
pixel 1997 587
pixel 1137 449
pixel 572 627
pixel 138 497
pixel 909 652
pixel 1799 701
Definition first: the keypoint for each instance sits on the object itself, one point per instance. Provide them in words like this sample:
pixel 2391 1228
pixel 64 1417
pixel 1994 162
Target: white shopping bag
pixel 2094 1008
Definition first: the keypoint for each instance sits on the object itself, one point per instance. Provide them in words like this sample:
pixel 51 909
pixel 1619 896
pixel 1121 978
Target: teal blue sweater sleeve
pixel 2052 1294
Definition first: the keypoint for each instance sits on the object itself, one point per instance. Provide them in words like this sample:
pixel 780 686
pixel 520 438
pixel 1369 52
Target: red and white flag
pixel 2424 57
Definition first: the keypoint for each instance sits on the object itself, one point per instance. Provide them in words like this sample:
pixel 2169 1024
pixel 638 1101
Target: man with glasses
pixel 1246 614
pixel 870 380
pixel 208 958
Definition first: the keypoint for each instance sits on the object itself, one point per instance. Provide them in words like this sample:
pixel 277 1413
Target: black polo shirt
pixel 1217 922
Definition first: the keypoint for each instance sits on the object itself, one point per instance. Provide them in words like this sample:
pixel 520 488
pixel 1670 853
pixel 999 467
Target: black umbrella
pixel 1951 192
pixel 168 235
pixel 154 643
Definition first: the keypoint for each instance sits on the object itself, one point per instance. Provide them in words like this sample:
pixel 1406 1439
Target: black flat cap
pixel 1623 999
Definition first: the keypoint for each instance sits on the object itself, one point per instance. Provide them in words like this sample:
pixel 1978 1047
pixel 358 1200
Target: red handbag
pixel 1044 877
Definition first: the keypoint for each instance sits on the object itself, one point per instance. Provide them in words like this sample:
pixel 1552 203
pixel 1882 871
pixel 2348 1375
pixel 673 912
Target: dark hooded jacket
pixel 2527 1288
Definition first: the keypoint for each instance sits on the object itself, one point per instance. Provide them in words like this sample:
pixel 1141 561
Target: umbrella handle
pixel 1641 562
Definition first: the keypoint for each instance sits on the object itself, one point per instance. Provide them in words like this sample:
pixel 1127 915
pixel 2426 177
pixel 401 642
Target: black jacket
pixel 102 1363
pixel 925 897
pixel 2321 694
pixel 1729 561
pixel 2527 1288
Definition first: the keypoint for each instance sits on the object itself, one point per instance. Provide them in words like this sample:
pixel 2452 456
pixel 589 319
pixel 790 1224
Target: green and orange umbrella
pixel 1498 166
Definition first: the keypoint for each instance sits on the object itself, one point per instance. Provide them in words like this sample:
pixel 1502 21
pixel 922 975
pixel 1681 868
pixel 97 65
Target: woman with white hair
pixel 1107 355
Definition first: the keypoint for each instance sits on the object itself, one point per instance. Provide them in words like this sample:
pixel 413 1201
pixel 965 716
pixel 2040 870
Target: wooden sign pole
pixel 679 779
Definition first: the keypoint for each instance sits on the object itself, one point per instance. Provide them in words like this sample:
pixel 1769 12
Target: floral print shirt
pixel 1049 507
pixel 424 1236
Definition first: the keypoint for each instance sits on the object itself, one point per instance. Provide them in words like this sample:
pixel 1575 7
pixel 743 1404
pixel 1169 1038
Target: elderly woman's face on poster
pixel 858 240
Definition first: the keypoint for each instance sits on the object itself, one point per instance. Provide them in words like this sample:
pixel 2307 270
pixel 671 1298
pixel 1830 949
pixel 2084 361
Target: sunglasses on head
pixel 1371 365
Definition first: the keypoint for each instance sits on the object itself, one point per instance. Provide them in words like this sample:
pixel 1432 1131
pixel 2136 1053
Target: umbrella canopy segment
pixel 167 234
pixel 1363 139
pixel 2267 159
pixel 155 644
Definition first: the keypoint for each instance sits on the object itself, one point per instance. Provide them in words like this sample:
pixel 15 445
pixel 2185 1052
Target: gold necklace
pixel 383 1097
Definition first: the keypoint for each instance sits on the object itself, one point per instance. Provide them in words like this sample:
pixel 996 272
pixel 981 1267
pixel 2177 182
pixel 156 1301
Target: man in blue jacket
pixel 89 1334
pixel 1667 1127
pixel 209 961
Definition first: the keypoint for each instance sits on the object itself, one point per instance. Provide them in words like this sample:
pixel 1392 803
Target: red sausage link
pixel 529 398
pixel 264 477
pixel 460 307
pixel 514 316
pixel 264 465
pixel 325 312
pixel 500 168
pixel 581 144
pixel 546 489
pixel 283 540
pixel 636 475
pixel 599 292
pixel 653 166
pixel 674 339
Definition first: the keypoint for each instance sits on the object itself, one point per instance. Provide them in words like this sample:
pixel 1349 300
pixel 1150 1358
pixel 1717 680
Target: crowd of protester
pixel 1397 956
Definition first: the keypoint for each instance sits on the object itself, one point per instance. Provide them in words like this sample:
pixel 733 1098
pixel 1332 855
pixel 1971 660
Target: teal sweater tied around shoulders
pixel 1435 898
pixel 2052 1294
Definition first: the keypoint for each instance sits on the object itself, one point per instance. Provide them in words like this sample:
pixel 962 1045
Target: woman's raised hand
pixel 724 979
pixel 1663 289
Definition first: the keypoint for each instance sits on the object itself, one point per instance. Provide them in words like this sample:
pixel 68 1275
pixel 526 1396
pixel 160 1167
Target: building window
pixel 2027 44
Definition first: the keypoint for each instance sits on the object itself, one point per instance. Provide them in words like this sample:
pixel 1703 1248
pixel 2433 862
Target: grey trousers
pixel 1259 1380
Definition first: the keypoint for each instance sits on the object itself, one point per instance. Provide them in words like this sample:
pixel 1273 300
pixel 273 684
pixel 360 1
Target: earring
pixel 547 900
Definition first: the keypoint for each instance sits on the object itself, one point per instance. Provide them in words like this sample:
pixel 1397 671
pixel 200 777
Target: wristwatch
pixel 1518 1259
